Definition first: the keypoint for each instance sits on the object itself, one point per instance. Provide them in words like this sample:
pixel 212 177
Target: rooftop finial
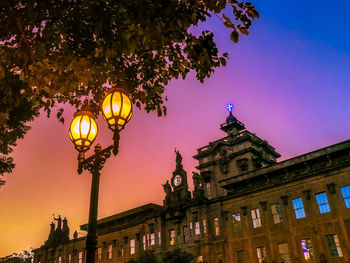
pixel 229 107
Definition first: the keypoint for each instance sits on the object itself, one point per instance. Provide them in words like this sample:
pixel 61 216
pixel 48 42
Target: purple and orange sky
pixel 289 81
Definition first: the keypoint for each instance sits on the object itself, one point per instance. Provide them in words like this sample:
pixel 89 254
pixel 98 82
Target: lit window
pixel 153 241
pixel 241 256
pixel 261 253
pixel 307 249
pixel 298 208
pixel 132 246
pixel 334 246
pixel 144 242
pixel 256 217
pixel 208 190
pixel 70 258
pixel 197 230
pixel 220 258
pixel 322 202
pixel 200 259
pixel 284 253
pixel 121 250
pixel 217 227
pixel 99 254
pixel 159 237
pixel 276 213
pixel 236 218
pixel 110 251
pixel 172 237
pixel 59 259
pixel 346 195
pixel 80 257
pixel 204 226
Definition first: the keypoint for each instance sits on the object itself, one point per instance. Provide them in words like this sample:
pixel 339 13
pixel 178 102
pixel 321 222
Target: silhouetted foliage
pixel 24 257
pixel 54 52
pixel 145 257
pixel 177 256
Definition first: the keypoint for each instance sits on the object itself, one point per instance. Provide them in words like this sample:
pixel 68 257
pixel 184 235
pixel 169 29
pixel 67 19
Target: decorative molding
pixel 284 199
pixel 263 205
pixel 244 210
pixel 331 188
pixel 307 194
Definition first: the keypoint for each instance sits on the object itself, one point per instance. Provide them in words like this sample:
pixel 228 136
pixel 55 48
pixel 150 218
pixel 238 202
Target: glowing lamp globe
pixel 83 130
pixel 116 109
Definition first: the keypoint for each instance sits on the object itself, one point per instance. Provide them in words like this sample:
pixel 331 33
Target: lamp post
pixel 117 111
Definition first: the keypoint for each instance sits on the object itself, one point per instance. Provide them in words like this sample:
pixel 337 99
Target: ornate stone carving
pixel 242 165
pixel 223 161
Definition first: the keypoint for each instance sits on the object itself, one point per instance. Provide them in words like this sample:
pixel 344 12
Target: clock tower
pixel 177 193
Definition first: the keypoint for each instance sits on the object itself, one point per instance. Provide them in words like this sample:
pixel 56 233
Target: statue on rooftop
pixel 167 188
pixel 178 157
pixel 59 222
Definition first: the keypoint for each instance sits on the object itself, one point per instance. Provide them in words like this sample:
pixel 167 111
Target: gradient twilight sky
pixel 289 81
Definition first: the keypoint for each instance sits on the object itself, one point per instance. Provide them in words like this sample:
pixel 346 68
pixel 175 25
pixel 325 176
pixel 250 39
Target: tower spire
pixel 232 125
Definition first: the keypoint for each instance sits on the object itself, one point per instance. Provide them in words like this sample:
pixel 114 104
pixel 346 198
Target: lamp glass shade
pixel 116 109
pixel 83 130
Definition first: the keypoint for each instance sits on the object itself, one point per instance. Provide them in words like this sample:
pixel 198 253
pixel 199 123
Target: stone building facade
pixel 245 207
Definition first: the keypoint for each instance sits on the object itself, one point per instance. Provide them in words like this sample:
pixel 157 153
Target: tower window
pixel 256 217
pixel 132 246
pixel 346 195
pixel 159 237
pixel 276 213
pixel 153 242
pixel 99 254
pixel 284 252
pixel 197 230
pixel 261 253
pixel 172 237
pixel 298 208
pixel 216 226
pixel 307 249
pixel 334 246
pixel 110 251
pixel 322 202
pixel 236 218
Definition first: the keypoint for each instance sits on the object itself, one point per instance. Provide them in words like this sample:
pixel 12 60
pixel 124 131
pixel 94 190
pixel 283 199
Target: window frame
pixel 297 210
pixel 322 202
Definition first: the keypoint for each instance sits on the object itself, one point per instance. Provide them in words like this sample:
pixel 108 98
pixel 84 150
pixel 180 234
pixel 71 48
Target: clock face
pixel 177 180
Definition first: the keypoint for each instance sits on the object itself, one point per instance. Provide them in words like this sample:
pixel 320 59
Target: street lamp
pixel 117 111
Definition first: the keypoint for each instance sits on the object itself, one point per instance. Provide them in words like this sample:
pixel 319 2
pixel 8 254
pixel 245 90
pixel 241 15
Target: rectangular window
pixel 70 258
pixel 148 240
pixel 159 237
pixel 261 253
pixel 256 217
pixel 220 258
pixel 276 213
pixel 144 242
pixel 99 254
pixel 216 226
pixel 121 250
pixel 241 256
pixel 236 218
pixel 322 202
pixel 153 241
pixel 284 253
pixel 204 226
pixel 172 237
pixel 334 246
pixel 197 230
pixel 307 249
pixel 80 257
pixel 59 259
pixel 346 195
pixel 185 233
pixel 132 246
pixel 298 208
pixel 208 187
pixel 110 251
